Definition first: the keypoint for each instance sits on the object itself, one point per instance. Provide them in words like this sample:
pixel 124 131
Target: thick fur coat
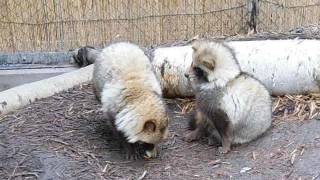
pixel 233 106
pixel 130 94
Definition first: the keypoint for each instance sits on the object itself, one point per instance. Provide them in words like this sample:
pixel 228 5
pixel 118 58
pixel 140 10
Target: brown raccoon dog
pixel 231 106
pixel 131 98
pixel 85 56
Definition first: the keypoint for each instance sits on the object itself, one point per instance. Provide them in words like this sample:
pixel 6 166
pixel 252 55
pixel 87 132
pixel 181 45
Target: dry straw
pixel 40 25
pixel 284 108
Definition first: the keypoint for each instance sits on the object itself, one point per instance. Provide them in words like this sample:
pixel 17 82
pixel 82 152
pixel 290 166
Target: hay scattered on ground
pixel 296 107
pixel 66 136
pixel 284 108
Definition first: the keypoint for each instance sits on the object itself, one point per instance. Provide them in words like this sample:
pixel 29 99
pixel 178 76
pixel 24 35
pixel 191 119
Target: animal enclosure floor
pixel 65 137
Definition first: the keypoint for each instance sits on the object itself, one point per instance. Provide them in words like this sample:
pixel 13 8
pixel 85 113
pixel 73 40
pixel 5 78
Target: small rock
pixel 245 169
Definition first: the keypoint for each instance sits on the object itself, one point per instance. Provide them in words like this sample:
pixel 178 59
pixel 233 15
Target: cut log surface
pixel 170 65
pixel 19 96
pixel 283 66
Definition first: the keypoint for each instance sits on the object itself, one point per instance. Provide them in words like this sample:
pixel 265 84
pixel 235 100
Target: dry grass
pixel 296 107
pixel 284 108
pixel 34 25
pixel 283 15
pixel 59 25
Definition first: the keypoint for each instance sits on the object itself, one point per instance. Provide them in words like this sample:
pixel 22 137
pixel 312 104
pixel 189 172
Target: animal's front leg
pixel 224 127
pixel 200 128
pixel 226 139
pixel 132 151
pixel 194 135
pixel 151 151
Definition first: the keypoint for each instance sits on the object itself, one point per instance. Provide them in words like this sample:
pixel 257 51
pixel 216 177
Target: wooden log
pixel 283 66
pixel 20 96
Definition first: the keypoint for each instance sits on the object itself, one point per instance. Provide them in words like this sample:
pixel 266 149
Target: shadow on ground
pixel 65 137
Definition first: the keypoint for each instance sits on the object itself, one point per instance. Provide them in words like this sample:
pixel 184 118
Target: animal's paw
pixel 211 141
pixel 191 136
pixel 151 153
pixel 223 150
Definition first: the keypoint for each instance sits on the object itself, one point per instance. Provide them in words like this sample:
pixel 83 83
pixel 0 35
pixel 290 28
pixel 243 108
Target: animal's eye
pixel 162 129
pixel 198 71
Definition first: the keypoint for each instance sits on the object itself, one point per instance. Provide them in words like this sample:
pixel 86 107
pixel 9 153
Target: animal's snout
pixel 186 75
pixel 166 135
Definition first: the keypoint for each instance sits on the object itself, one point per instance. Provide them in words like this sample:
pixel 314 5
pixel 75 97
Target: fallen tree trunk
pixel 19 96
pixel 284 66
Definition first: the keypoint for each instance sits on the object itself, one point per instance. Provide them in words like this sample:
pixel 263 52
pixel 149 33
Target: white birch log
pixel 283 66
pixel 20 96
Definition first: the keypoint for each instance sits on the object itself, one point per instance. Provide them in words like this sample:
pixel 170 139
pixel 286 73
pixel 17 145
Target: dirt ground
pixel 66 137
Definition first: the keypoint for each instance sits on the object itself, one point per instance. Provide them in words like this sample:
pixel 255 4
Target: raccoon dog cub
pixel 131 98
pixel 231 106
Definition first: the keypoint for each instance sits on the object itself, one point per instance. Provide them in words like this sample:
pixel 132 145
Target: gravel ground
pixel 66 137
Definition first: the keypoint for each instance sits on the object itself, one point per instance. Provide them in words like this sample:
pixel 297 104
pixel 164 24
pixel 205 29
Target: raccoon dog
pixel 85 56
pixel 131 98
pixel 231 106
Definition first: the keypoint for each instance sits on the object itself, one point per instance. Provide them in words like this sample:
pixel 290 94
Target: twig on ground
pixel 105 168
pixel 215 162
pixel 27 174
pixel 143 175
pixel 59 141
pixel 254 156
pixel 316 177
pixel 16 167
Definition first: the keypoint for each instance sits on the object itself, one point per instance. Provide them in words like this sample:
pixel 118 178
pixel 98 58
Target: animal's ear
pixel 149 126
pixel 195 46
pixel 209 64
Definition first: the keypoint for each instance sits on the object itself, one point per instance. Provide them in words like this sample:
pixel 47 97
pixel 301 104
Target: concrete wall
pixel 24 67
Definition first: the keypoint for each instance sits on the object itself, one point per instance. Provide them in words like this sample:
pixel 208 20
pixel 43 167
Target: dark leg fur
pixel 227 139
pixel 224 127
pixel 211 140
pixel 133 151
pixel 96 93
pixel 200 130
pixel 195 134
pixel 192 124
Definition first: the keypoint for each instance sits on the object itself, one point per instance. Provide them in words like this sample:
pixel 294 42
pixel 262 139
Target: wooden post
pixel 60 23
pixel 252 9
